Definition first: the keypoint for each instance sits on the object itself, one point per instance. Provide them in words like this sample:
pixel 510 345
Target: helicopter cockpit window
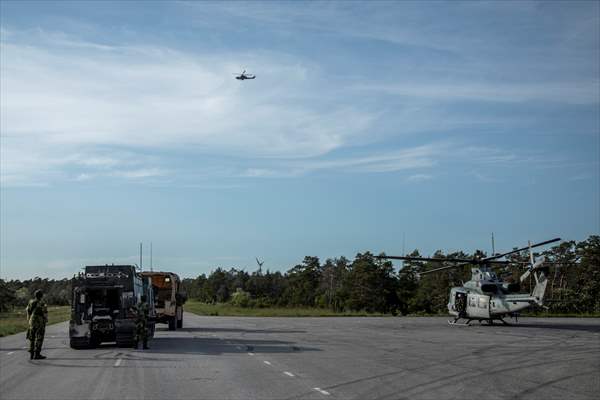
pixel 489 276
pixel 489 288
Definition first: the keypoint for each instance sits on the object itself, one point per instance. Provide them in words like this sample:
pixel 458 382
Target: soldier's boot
pixel 135 344
pixel 39 356
pixel 31 354
pixel 146 344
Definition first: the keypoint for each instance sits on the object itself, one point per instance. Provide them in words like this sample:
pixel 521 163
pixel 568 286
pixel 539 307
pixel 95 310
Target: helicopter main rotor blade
pixel 521 249
pixel 425 259
pixel 463 261
pixel 444 268
pixel 470 262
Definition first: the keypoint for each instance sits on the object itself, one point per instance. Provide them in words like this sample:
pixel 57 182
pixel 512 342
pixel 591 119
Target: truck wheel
pixel 124 340
pixel 79 343
pixel 172 324
pixel 180 323
pixel 95 341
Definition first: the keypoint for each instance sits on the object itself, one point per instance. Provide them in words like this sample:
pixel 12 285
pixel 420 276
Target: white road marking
pixel 288 373
pixel 325 392
pixel 9 353
pixel 266 362
pixel 118 362
pixel 250 354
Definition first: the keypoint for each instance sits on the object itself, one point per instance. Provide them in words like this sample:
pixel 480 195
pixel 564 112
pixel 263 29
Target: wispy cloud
pixel 65 99
pixel 83 97
pixel 419 178
pixel 141 173
pixel 577 92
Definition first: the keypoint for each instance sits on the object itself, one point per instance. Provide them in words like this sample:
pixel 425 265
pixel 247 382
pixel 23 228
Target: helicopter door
pixel 478 306
pixel 460 303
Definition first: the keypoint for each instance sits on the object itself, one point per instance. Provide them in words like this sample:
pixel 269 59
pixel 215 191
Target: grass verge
pixel 15 321
pixel 223 309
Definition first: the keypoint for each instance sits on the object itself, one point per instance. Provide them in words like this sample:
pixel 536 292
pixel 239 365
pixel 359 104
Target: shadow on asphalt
pixel 173 347
pixel 594 328
pixel 194 345
pixel 216 346
pixel 238 330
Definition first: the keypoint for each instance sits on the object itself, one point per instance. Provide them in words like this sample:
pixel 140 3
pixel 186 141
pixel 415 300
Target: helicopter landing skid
pixel 455 322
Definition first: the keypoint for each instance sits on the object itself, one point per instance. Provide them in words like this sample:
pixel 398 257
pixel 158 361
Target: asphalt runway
pixel 318 358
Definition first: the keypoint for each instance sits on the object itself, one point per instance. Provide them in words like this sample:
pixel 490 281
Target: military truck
pixel 169 298
pixel 101 305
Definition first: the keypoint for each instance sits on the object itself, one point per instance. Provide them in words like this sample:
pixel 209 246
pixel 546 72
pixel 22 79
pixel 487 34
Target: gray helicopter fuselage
pixel 487 297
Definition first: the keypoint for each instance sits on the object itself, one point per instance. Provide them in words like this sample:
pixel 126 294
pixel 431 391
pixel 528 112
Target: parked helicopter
pixel 486 297
pixel 244 75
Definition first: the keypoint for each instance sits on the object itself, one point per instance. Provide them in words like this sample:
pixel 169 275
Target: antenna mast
pixel 151 257
pixel 403 250
pixel 140 255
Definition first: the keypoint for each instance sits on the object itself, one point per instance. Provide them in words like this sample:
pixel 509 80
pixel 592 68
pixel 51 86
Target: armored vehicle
pixel 169 298
pixel 101 306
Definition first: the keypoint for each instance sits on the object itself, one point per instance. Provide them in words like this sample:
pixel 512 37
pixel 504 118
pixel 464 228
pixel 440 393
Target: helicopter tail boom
pixel 540 288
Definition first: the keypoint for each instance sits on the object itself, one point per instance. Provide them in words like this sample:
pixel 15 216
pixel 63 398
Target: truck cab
pixel 169 298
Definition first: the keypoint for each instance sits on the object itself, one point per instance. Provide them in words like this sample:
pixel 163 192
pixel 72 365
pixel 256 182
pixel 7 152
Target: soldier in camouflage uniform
pixel 141 323
pixel 37 315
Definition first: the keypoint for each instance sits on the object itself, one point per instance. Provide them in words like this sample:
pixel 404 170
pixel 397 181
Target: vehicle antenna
pixel 151 257
pixel 403 242
pixel 493 248
pixel 140 255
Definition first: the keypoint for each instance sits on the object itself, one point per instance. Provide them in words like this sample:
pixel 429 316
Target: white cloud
pixel 411 158
pixel 64 96
pixel 83 177
pixel 419 178
pixel 141 173
pixel 582 92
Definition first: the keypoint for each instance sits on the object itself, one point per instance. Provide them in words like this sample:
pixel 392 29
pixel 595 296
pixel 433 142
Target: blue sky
pixel 437 121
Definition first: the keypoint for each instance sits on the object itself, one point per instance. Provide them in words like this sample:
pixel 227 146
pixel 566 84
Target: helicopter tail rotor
pixel 540 288
pixel 534 266
pixel 540 278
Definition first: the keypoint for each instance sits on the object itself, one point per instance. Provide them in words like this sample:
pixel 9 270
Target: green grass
pixel 15 321
pixel 223 309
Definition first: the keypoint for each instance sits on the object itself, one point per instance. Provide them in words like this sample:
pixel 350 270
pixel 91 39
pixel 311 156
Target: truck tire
pixel 124 340
pixel 172 323
pixel 78 343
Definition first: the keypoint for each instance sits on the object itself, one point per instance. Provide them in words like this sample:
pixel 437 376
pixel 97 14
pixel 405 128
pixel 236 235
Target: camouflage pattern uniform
pixel 37 315
pixel 141 323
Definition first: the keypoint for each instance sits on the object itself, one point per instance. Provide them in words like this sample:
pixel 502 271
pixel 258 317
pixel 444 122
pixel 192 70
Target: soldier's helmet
pixel 143 298
pixel 38 294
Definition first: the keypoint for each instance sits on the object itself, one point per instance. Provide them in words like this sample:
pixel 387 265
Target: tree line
pixel 367 283
pixel 372 284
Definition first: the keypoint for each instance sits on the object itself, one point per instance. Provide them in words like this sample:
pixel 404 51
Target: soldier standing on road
pixel 141 323
pixel 37 315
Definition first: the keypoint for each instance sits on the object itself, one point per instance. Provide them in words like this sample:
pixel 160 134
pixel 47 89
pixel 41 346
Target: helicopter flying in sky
pixel 486 297
pixel 244 76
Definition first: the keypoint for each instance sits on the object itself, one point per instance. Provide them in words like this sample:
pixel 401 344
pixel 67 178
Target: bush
pixel 240 298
